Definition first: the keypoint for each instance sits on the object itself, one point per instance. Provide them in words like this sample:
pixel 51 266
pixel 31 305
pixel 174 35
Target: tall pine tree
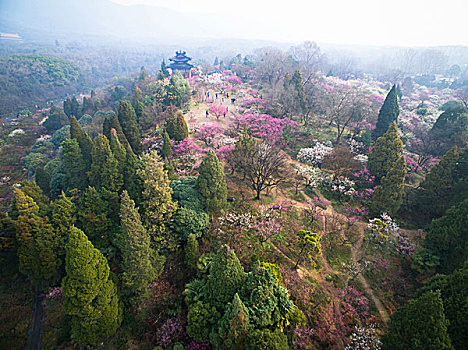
pixel 419 325
pixel 388 196
pixel 86 145
pixel 38 244
pixel 387 114
pixel 211 183
pixel 176 126
pixel 104 168
pixel 128 122
pixel 74 165
pixel 158 207
pixel 140 264
pixel 386 151
pixel 90 296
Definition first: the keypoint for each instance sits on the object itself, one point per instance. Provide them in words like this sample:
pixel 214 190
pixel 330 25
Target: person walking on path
pixel 207 112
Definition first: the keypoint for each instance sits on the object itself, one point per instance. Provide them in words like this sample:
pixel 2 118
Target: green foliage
pixel 74 165
pixel 188 222
pixel 86 145
pixel 104 167
pixel 8 246
pixel 385 153
pixel 176 127
pixel 191 251
pixel 434 194
pixel 309 245
pixel 166 150
pixel 158 207
pixel 211 183
pixel 225 279
pixel 450 129
pixel 56 119
pixel 233 327
pixel 34 79
pixel 60 135
pixel 37 244
pixel 33 160
pixel 267 302
pixel 90 296
pixel 63 217
pixel 140 265
pixel 98 215
pixel 31 189
pixel 388 196
pixel 265 339
pixel 387 114
pixel 184 192
pixel 447 238
pixel 419 325
pixel 128 122
pixel 200 319
pixel 454 296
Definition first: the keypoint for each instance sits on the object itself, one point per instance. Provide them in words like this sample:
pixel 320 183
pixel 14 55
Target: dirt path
pixel 37 322
pixel 355 251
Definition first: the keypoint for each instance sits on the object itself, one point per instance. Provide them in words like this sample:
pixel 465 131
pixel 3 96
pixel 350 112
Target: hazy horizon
pixel 360 22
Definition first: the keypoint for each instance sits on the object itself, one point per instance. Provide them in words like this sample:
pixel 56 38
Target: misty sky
pixel 371 22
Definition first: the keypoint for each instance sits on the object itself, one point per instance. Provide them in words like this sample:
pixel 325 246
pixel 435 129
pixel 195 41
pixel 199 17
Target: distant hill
pixel 29 79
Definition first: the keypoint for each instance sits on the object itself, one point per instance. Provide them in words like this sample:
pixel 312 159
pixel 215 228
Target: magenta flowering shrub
pixel 265 126
pixel 354 303
pixel 187 154
pixel 254 102
pixel 208 133
pixel 224 152
pixel 234 80
pixel 170 332
pixel 217 110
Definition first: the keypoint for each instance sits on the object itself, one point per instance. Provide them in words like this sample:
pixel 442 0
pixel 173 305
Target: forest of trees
pixel 314 211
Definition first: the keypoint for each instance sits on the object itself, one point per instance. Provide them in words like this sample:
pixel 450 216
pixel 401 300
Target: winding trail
pixel 34 341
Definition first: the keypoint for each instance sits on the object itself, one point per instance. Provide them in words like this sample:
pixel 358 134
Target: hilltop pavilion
pixel 180 62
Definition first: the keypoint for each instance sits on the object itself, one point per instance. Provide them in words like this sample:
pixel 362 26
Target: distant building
pixel 180 62
pixel 8 36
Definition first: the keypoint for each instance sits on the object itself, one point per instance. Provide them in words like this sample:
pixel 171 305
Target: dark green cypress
pixel 90 296
pixel 387 114
pixel 419 325
pixel 211 183
pixel 385 152
pixel 86 145
pixel 140 264
pixel 176 126
pixel 128 122
pixel 388 196
pixel 104 168
pixel 166 147
pixel 74 165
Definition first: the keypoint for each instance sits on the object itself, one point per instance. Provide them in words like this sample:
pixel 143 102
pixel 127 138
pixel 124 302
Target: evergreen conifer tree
pixel 37 244
pixel 191 251
pixel 164 70
pixel 98 215
pixel 128 122
pixel 31 189
pixel 63 217
pixel 140 265
pixel 386 151
pixel 435 192
pixel 90 296
pixel 419 325
pixel 104 168
pixel 226 278
pixel 118 151
pixel 67 107
pixel 166 147
pixel 388 196
pixel 86 145
pixel 43 180
pixel 75 108
pixel 158 207
pixel 176 126
pixel 211 183
pixel 74 165
pixel 234 327
pixel 387 114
